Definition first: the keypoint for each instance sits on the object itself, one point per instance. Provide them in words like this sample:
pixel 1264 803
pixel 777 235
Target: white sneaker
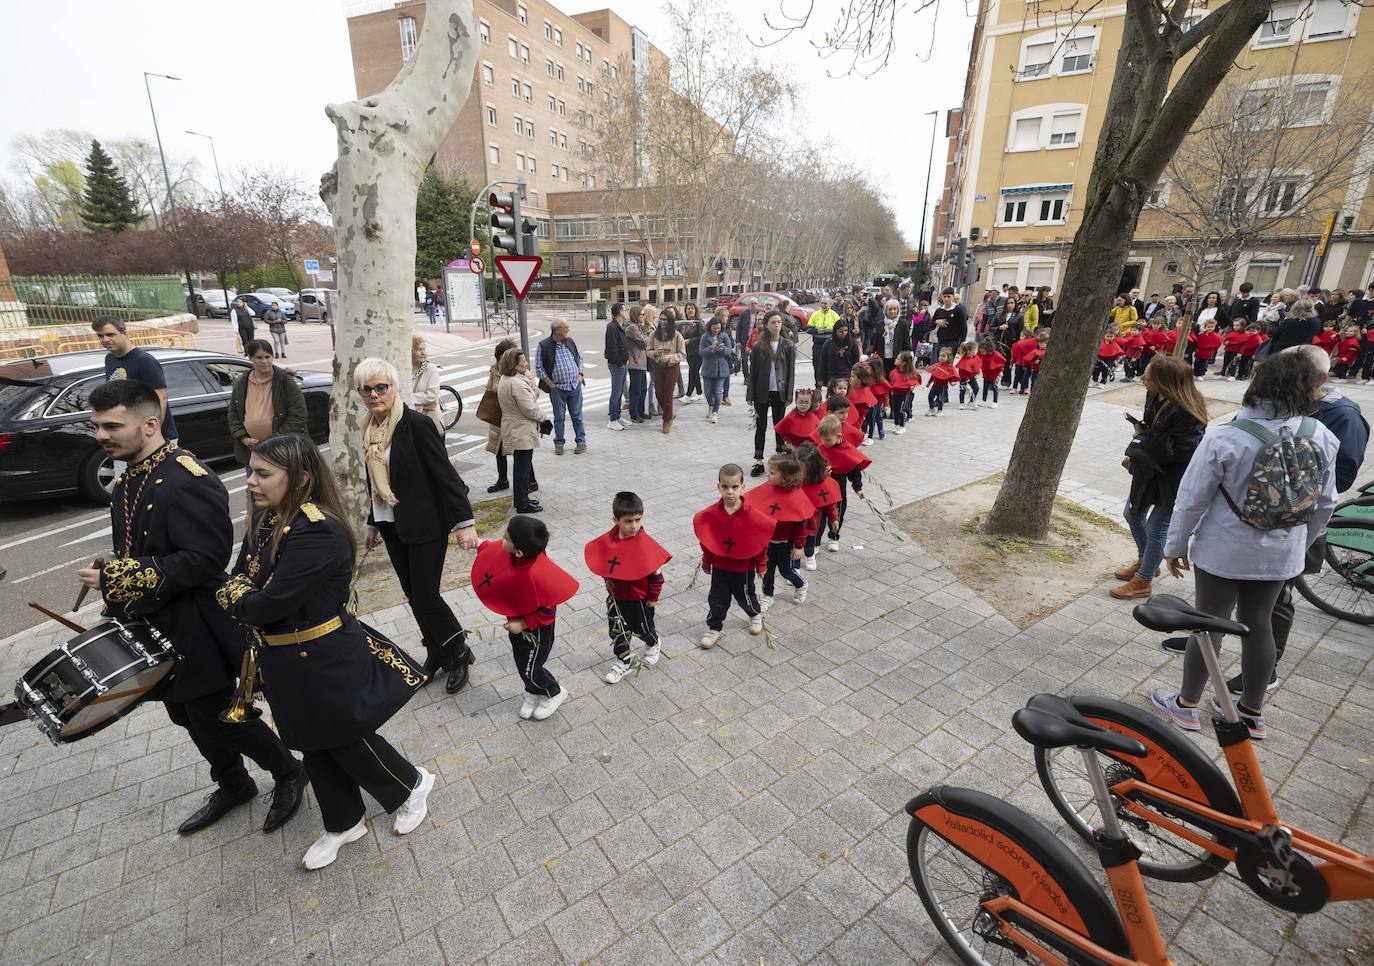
pixel 528 705
pixel 416 807
pixel 615 426
pixel 810 562
pixel 714 417
pixel 900 430
pixel 868 441
pixel 766 602
pixel 651 654
pixel 1230 378
pixel 756 624
pixel 973 405
pixel 326 847
pixel 548 706
pixel 617 671
pixel 833 546
pixel 799 595
pixel 708 640
pixel 930 412
pixel 992 405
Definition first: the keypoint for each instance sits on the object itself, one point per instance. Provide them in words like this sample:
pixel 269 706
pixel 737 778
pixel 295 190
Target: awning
pixel 1035 189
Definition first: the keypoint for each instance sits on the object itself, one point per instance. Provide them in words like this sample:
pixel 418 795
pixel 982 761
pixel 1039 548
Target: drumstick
pixel 98 563
pixel 58 617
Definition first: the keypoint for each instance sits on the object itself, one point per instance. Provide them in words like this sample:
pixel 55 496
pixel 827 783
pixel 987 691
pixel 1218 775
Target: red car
pixel 800 314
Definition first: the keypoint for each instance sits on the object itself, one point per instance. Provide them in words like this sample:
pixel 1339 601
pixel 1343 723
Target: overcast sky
pixel 256 75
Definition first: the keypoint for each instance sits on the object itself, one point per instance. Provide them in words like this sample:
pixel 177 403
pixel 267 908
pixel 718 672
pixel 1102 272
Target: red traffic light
pixel 591 270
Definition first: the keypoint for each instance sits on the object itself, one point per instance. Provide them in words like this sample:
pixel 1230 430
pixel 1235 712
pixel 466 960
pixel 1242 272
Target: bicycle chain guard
pixel 1279 875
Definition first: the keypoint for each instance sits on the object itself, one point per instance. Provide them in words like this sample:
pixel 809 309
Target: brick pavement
pixel 741 805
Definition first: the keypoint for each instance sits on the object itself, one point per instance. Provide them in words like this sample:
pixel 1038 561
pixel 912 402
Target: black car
pixel 47 443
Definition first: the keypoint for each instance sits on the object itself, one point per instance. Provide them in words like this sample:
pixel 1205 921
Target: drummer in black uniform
pixel 330 680
pixel 172 539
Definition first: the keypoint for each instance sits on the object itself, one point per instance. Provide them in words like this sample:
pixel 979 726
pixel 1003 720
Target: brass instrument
pixel 241 709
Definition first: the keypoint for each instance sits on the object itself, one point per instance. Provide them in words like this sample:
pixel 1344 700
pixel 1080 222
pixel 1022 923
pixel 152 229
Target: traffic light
pixel 720 269
pixel 959 261
pixel 505 212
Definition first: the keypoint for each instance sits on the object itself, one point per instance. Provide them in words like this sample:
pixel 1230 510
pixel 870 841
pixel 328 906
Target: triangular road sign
pixel 519 271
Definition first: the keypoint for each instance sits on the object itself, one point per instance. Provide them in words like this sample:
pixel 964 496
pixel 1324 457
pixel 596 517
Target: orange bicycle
pixel 999 886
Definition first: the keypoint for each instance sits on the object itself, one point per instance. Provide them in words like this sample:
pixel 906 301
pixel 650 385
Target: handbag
pixel 489 409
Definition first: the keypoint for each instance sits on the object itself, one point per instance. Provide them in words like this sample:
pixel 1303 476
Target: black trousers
pixel 245 336
pixel 523 471
pixel 636 620
pixel 501 474
pixel 780 561
pixel 341 775
pixel 530 656
pixel 639 386
pixel 853 478
pixel 1229 363
pixel 225 745
pixel 763 424
pixel 419 567
pixel 1200 365
pixel 694 375
pixel 1282 620
pixel 726 584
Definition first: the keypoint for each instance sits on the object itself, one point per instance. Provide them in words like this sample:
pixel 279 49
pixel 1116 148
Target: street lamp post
pixel 222 198
pixel 925 201
pixel 171 200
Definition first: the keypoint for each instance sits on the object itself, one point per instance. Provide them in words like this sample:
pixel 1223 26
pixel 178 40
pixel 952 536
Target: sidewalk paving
pixel 740 805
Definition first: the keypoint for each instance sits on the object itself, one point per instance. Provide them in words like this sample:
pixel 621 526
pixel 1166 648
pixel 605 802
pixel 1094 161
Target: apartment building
pixel 1038 82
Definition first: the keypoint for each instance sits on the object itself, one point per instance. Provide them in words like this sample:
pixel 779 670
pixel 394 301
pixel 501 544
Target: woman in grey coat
pixel 717 357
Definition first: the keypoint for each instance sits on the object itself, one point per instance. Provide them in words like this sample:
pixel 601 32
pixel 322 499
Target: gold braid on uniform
pixel 152 461
pixel 389 657
pixel 126 580
pixel 232 590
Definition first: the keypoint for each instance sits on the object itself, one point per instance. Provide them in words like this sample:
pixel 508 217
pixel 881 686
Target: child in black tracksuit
pixel 725 525
pixel 630 603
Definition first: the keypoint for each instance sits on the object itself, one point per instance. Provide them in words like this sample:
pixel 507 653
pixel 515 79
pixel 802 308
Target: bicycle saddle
pixel 1048 721
pixel 1165 612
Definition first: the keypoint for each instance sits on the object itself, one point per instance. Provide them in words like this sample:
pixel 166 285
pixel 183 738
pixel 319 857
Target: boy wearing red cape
pixel 800 422
pixel 849 426
pixel 630 562
pixel 846 467
pixel 517 580
pixel 734 547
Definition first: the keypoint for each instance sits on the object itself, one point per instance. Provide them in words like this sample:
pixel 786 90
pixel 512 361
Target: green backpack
pixel 1286 477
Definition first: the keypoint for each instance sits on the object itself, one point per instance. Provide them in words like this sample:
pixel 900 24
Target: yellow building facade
pixel 1039 79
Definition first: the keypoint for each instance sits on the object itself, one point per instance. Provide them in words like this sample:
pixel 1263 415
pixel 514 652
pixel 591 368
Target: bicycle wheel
pixel 450 406
pixel 1345 587
pixel 1172 762
pixel 965 848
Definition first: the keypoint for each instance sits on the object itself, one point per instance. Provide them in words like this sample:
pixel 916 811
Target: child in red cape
pixel 1020 379
pixel 1328 337
pixel 1206 343
pixel 942 376
pixel 517 580
pixel 824 494
pixel 993 365
pixel 1104 368
pixel 881 391
pixel 781 500
pixel 1233 346
pixel 1037 355
pixel 861 397
pixel 846 468
pixel 1256 336
pixel 837 387
pixel 630 562
pixel 1347 352
pixel 800 421
pixel 903 379
pixel 1154 341
pixel 849 428
pixel 1133 345
pixel 970 367
pixel 734 547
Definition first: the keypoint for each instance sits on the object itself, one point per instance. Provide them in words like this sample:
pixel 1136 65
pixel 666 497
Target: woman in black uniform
pixel 331 681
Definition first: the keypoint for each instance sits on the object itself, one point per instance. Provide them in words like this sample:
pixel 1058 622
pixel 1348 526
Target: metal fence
pixel 78 299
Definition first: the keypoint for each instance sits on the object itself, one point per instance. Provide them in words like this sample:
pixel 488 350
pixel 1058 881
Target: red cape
pixel 844 458
pixel 823 494
pixel 851 415
pixel 903 383
pixel 741 535
pixel 861 396
pixel 779 505
pixel 632 559
pixel 513 589
pixel 797 427
pixel 849 433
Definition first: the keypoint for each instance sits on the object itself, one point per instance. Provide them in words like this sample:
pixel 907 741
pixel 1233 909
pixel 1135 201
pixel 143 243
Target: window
pixel 491 115
pixel 223 374
pixel 484 31
pixel 494 154
pixel 1234 198
pixel 408 37
pixel 522 14
pixel 529 163
pixel 515 86
pixel 1053 208
pixel 559 72
pixel 591 91
pixel 519 125
pixel 557 37
pixel 1035 204
pixel 1330 18
pixel 529 129
pixel 548 67
pixel 1263 274
pixel 1039 273
pixel 512 47
pixel 519 162
pixel 542 227
pixel 1281 196
pixel 572 229
pixel 1296 101
pixel 1036 60
pixel 527 92
pixel 553 104
pixel 579 50
pixel 1078 55
pixel 1158 196
pixel 614 72
pixel 581 85
pixel 1278 27
pixel 548 30
pixel 562 109
pixel 524 53
pixel 591 179
pixel 1026 134
pixel 563 141
pixel 553 138
pixel 1308 102
pixel 554 171
pixel 488 75
pixel 1014 212
pixel 1064 130
pixel 1052 54
pixel 605 67
pixel 582 179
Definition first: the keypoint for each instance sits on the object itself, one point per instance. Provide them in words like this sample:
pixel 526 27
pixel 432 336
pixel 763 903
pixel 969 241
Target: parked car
pixel 287 306
pixel 312 305
pixel 210 303
pixel 260 302
pixel 280 294
pixel 796 311
pixel 47 443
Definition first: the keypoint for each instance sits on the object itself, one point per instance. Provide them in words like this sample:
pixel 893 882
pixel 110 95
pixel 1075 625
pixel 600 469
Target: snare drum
pixel 95 679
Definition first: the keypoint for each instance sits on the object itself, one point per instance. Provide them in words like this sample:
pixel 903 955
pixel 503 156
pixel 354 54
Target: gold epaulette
pixel 312 513
pixel 188 462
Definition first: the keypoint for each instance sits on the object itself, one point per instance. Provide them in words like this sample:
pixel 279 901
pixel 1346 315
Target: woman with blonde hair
pixel 637 342
pixel 424 389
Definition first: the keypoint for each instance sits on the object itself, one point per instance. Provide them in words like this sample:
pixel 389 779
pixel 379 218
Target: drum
pixel 95 679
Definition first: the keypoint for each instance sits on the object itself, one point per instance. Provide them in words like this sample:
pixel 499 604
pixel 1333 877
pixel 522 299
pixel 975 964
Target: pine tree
pixel 107 204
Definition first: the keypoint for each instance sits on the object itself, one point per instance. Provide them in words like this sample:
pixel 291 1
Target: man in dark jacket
pixel 617 356
pixel 172 538
pixel 559 368
pixel 1245 305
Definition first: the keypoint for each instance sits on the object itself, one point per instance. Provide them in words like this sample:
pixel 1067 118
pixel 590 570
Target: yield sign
pixel 519 271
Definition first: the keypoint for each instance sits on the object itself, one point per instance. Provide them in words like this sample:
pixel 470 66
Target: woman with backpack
pixel 1256 494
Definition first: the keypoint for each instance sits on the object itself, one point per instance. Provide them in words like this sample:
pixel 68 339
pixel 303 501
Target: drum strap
pixel 306 635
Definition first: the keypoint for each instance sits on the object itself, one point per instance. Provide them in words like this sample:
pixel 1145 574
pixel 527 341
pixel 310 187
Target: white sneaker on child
pixel 755 625
pixel 548 706
pixel 617 671
pixel 708 640
pixel 810 562
pixel 867 442
pixel 528 705
pixel 651 654
pixel 834 546
pixel 900 430
pixel 799 594
pixel 767 602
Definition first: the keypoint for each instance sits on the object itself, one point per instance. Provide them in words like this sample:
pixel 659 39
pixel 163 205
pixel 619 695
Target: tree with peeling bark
pixel 385 142
pixel 1165 77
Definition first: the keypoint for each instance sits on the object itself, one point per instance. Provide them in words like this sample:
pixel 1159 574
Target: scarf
pixel 376 439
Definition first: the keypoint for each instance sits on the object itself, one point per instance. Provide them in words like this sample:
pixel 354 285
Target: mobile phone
pixel 1132 419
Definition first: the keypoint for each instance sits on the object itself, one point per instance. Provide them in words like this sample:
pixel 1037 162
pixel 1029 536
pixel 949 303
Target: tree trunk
pixel 385 141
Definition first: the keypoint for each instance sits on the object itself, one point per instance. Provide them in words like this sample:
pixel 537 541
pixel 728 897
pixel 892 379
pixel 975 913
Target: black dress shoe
pixel 531 507
pixel 434 661
pixel 757 470
pixel 498 486
pixel 218 804
pixel 533 487
pixel 286 798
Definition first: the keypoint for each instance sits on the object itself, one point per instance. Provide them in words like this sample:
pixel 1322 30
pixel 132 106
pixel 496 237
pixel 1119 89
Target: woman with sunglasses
pixel 417 498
